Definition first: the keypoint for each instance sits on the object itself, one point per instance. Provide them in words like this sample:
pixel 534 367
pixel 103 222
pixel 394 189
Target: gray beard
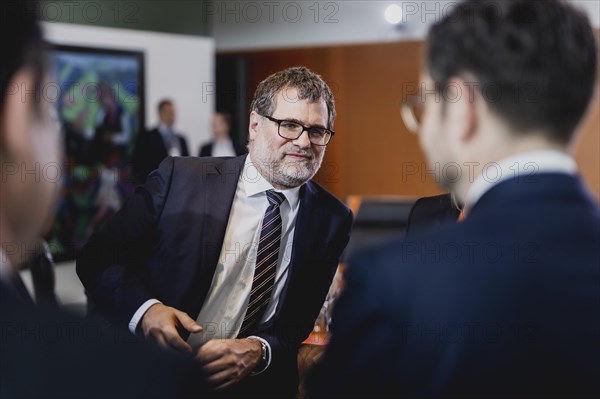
pixel 281 174
pixel 292 175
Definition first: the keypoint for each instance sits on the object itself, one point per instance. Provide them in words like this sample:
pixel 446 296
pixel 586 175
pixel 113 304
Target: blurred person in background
pixel 505 303
pixel 429 213
pixel 221 145
pixel 155 145
pixel 45 352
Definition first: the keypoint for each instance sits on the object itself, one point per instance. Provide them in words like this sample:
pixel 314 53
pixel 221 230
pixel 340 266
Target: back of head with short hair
pixel 309 85
pixel 534 61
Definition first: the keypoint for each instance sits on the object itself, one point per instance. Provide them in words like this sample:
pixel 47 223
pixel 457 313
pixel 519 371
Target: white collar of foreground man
pixel 255 184
pixel 528 163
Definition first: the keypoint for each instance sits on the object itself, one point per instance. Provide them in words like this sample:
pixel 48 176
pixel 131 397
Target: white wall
pixel 180 67
pixel 238 25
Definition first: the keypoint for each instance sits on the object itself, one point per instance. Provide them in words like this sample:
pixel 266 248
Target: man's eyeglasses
pixel 411 110
pixel 292 130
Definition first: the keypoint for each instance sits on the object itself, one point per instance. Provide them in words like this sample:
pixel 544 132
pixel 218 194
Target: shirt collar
pixel 255 184
pixel 524 164
pixel 164 130
pixel 225 141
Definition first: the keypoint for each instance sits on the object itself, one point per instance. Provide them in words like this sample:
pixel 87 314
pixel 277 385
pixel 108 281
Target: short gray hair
pixel 310 87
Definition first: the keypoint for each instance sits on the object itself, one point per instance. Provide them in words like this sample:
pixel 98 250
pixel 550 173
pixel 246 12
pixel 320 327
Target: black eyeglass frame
pixel 304 129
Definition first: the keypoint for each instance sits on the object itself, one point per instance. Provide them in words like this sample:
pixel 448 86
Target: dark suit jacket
pixel 429 213
pixel 49 354
pixel 503 304
pixel 149 152
pixel 166 240
pixel 43 278
pixel 206 150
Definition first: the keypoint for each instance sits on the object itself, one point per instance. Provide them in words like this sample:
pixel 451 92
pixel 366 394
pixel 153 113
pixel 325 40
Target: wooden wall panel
pixel 587 148
pixel 372 152
pixel 378 150
pixel 587 145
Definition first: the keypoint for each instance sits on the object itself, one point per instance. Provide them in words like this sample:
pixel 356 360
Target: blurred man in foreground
pixel 43 352
pixel 505 303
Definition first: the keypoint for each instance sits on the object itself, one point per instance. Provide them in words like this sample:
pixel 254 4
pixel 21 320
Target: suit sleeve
pixel 111 265
pixel 357 359
pixel 284 338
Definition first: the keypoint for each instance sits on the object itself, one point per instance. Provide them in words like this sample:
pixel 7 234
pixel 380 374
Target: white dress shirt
pixel 223 148
pixel 529 163
pixel 225 306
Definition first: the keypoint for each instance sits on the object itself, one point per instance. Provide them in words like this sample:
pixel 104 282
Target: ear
pixel 253 125
pixel 461 111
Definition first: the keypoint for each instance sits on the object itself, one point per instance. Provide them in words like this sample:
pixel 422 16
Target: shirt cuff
pixel 137 316
pixel 264 341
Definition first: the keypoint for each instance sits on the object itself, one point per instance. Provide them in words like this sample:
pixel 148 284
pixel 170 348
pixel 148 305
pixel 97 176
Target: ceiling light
pixel 393 14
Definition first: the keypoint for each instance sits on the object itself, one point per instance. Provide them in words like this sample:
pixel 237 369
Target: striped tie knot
pixel 275 198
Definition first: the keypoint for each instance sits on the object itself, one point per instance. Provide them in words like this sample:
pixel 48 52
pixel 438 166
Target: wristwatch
pixel 264 357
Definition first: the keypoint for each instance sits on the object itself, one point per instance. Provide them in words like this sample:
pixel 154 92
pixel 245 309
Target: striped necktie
pixel 265 269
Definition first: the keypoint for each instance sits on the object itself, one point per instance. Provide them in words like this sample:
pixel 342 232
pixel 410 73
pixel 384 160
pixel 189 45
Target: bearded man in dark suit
pixel 231 258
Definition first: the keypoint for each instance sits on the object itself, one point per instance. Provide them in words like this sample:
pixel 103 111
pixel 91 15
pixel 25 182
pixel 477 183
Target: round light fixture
pixel 393 14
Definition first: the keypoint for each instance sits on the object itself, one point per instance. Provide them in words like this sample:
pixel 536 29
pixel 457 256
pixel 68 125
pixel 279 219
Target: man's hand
pixel 160 324
pixel 228 361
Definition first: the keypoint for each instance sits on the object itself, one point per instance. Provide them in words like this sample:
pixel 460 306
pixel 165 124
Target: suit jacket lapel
pixel 220 182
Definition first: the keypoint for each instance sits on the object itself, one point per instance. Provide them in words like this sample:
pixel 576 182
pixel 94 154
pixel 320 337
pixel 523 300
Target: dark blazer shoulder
pixel 183 145
pixel 402 261
pixel 441 200
pixel 207 164
pixel 429 212
pixel 151 135
pixel 327 199
pixel 206 150
pixel 192 170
